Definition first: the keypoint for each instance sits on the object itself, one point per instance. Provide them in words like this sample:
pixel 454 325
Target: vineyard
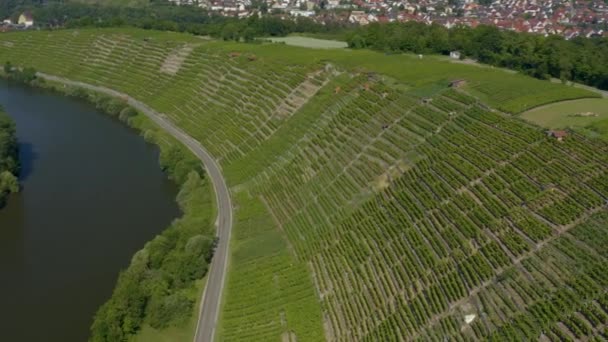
pixel 372 201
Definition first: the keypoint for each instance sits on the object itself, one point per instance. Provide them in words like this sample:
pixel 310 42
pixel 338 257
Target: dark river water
pixel 93 194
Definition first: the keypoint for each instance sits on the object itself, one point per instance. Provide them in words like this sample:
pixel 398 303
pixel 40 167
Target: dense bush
pixel 157 287
pixel 175 307
pixel 581 59
pixel 24 75
pixel 154 289
pixel 178 163
pixel 9 163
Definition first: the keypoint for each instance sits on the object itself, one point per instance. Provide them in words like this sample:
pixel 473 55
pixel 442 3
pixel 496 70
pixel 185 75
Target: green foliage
pixel 76 92
pixel 8 144
pixel 127 113
pixel 25 75
pixel 9 182
pixel 9 161
pixel 581 60
pixel 178 162
pixel 122 315
pixel 176 307
pixel 154 287
pixel 8 67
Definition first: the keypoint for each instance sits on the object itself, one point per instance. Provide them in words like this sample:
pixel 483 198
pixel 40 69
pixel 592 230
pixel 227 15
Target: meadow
pixel 310 42
pixel 570 114
pixel 372 201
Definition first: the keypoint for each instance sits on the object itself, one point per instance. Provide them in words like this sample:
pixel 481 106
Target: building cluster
pixel 569 18
pixel 24 21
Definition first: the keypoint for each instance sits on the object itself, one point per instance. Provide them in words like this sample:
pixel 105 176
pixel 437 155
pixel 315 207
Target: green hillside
pixel 372 201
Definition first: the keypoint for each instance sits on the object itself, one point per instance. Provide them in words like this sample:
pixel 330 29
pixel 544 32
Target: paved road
pixel 210 304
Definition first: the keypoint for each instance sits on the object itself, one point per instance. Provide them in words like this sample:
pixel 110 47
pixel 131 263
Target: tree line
pixel 21 75
pixel 9 161
pixel 583 60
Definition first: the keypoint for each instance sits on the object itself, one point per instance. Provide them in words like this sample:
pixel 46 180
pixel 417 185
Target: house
pixel 455 54
pixel 26 19
pixel 361 18
pixel 301 13
pixel 457 83
pixel 559 135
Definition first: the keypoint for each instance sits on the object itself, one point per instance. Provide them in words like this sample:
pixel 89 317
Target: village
pixel 568 18
pixel 23 22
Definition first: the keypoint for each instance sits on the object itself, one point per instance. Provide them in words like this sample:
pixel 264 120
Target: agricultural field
pixel 130 3
pixel 308 42
pixel 372 201
pixel 575 114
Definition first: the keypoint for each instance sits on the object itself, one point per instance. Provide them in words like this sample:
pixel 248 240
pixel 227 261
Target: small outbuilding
pixel 26 19
pixel 455 54
pixel 559 135
pixel 458 83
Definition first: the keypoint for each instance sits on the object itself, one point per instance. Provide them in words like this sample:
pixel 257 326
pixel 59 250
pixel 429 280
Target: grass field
pixel 310 42
pixel 569 114
pixel 372 202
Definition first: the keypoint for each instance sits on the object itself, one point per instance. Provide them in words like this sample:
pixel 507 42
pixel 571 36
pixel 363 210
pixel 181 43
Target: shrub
pixel 173 308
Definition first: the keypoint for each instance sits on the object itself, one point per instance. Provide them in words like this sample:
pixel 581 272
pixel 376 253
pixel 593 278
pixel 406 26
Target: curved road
pixel 210 303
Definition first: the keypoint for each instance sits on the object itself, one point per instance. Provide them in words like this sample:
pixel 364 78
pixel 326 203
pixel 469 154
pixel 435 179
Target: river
pixel 93 194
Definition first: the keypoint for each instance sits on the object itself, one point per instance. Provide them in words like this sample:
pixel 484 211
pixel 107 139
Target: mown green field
pixel 577 114
pixel 364 212
pixel 310 42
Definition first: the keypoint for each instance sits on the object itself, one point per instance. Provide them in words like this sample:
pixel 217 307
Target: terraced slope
pixel 372 202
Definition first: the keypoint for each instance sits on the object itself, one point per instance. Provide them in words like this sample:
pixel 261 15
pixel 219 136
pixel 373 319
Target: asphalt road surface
pixel 212 295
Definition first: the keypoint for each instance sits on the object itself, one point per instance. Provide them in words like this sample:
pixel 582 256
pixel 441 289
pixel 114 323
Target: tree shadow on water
pixel 27 157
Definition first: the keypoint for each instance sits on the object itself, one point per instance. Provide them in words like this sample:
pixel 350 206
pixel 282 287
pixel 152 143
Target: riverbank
pixel 212 292
pixel 9 161
pixel 78 218
pixel 160 285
